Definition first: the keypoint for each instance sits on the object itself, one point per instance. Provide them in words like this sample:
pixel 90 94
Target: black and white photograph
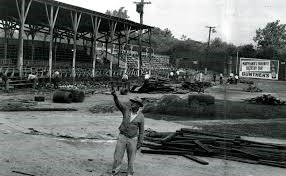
pixel 142 88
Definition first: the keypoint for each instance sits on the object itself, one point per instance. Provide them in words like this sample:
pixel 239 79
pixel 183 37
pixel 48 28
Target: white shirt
pixel 31 77
pixel 134 115
pixel 147 76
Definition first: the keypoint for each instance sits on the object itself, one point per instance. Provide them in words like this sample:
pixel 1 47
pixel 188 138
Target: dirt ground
pixel 82 143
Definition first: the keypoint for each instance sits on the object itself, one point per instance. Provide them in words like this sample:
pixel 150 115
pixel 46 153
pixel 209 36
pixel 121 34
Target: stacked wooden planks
pixel 192 143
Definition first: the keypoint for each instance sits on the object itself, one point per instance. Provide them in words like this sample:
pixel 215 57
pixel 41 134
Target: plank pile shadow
pixel 191 143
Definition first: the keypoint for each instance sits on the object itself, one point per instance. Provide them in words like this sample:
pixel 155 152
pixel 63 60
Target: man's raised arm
pixel 118 104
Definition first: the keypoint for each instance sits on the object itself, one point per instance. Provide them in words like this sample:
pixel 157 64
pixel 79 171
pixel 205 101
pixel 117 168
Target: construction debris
pixel 196 86
pixel 195 105
pixel 68 96
pixel 266 99
pixel 191 143
pixel 153 85
pixel 252 88
pixel 14 104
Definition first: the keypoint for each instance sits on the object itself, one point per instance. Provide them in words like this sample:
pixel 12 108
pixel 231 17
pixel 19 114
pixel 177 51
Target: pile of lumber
pixel 266 99
pixel 155 85
pixel 251 88
pixel 68 96
pixel 191 143
pixel 196 86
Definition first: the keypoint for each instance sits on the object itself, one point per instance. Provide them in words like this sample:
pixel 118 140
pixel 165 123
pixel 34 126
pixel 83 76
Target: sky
pixel 235 20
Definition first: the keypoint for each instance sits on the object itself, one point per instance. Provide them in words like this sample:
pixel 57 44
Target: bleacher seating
pixel 63 61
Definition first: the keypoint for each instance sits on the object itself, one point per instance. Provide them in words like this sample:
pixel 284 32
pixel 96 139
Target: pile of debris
pixel 68 96
pixel 153 85
pixel 193 106
pixel 196 86
pixel 15 104
pixel 252 88
pixel 266 100
pixel 190 143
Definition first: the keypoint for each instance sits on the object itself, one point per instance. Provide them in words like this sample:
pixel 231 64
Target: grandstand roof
pixel 37 16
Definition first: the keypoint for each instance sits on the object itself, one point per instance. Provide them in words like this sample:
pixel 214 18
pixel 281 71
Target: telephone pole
pixel 211 29
pixel 140 10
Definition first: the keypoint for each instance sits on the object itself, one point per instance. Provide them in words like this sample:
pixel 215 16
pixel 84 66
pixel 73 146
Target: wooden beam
pixel 95 26
pixel 22 12
pixel 127 33
pixel 75 23
pixel 112 31
pixel 52 18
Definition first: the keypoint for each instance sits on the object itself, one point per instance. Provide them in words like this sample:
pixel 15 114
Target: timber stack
pixel 191 143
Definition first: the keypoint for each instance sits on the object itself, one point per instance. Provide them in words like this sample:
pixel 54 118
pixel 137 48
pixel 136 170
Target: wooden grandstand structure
pixel 42 36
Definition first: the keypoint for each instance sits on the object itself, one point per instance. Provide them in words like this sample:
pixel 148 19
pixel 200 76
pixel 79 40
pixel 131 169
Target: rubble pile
pixel 154 86
pixel 266 99
pixel 196 87
pixel 251 88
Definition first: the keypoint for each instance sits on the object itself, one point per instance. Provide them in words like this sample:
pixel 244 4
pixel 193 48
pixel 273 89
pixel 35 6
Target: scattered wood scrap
pixel 191 143
pixel 266 100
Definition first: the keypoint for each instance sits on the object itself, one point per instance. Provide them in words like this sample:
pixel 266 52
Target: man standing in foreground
pixel 131 133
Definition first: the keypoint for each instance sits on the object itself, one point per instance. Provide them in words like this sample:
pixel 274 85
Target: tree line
pixel 269 43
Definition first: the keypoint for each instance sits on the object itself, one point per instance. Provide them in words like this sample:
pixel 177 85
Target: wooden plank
pixel 196 159
pixel 203 146
pixel 165 152
pixel 169 137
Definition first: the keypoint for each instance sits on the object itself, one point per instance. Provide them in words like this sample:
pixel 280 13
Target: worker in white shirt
pixel 34 79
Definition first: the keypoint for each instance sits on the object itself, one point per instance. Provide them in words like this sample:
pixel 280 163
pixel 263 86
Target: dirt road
pixel 82 143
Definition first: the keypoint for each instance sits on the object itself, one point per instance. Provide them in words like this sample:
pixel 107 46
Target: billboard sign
pixel 259 68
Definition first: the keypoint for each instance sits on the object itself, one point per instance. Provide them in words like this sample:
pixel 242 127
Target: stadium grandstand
pixel 44 36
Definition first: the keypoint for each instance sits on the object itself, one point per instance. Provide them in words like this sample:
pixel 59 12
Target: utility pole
pixel 211 29
pixel 140 10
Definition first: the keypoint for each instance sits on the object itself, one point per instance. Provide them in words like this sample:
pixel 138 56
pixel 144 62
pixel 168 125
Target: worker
pixel 236 78
pixel 172 76
pixel 5 81
pixel 220 78
pixel 34 79
pixel 147 76
pixel 130 133
pixel 201 83
pixel 214 77
pixel 124 80
pixel 56 79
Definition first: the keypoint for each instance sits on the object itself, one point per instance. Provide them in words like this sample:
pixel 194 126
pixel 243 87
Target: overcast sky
pixel 235 20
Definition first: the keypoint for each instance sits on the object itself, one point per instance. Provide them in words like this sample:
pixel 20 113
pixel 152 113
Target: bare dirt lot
pixel 82 143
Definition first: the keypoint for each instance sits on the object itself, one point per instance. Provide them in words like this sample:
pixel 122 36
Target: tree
pixel 247 51
pixel 184 37
pixel 121 13
pixel 273 35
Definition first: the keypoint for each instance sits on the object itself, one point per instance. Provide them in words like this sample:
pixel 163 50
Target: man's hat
pixel 137 100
